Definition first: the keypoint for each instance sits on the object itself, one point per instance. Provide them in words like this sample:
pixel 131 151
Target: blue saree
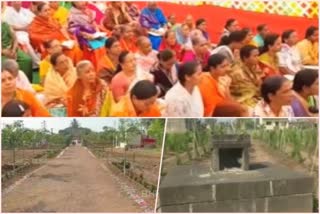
pixel 155 20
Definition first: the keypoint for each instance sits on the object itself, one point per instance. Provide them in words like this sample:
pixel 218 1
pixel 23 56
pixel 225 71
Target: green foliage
pixel 17 136
pixel 71 131
pixel 94 138
pixel 300 136
pixel 126 128
pixel 177 142
pixel 108 135
pixel 156 129
pixel 296 137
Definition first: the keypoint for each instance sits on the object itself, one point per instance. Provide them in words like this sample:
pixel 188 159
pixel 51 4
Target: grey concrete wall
pixel 290 203
pixel 268 189
pixel 176 126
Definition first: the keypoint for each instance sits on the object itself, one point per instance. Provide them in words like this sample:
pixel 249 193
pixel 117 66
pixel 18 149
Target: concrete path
pixel 75 181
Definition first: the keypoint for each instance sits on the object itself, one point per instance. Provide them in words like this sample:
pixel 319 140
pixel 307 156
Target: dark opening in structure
pixel 230 158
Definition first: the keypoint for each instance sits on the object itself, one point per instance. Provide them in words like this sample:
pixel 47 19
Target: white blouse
pixel 180 103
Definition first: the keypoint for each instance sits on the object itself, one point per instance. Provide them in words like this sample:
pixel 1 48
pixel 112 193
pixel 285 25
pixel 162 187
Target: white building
pixel 275 123
pixel 121 145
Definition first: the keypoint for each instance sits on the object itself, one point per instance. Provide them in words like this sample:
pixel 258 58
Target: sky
pixel 95 124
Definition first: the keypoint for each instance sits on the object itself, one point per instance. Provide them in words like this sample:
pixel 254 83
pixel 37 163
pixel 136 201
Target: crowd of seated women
pixel 114 60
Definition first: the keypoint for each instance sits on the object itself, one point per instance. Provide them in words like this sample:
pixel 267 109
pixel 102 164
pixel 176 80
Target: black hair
pixel 229 22
pixel 186 69
pixel 310 31
pixel 14 108
pixel 123 56
pixel 286 34
pixel 246 50
pixel 47 43
pixel 200 21
pixel 110 41
pixel 270 39
pixel 224 40
pixel 121 60
pixel 305 77
pixel 246 30
pixel 236 36
pixel 270 86
pixel 215 60
pixel 54 58
pixel 261 27
pixel 143 90
pixel 165 55
pixel 40 6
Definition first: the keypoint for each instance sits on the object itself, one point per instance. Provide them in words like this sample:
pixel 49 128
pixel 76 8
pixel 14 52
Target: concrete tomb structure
pixel 230 151
pixel 231 184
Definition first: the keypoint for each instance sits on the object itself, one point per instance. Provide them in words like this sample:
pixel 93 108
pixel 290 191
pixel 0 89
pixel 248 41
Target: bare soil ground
pixel 143 162
pixel 20 156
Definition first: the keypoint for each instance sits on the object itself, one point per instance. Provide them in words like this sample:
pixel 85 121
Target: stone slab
pixel 290 203
pixel 231 140
pixel 195 183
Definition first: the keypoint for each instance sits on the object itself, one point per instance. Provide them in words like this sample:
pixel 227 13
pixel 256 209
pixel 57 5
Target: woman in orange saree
pixel 44 28
pixel 140 102
pixel 109 63
pixel 268 60
pixel 127 39
pixel 10 92
pixel 87 95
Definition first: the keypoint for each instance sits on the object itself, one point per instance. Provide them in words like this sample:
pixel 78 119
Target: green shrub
pixel 177 142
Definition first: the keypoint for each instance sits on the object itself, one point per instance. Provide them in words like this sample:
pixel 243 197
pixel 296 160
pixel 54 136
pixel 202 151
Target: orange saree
pixel 128 46
pixel 80 106
pixel 106 69
pixel 210 93
pixel 125 108
pixel 41 30
pixel 94 56
pixel 37 109
pixel 106 63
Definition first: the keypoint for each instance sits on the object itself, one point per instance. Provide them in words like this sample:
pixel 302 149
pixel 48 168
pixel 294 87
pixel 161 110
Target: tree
pixel 145 124
pixel 122 127
pixel 156 130
pixel 12 135
pixel 108 134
